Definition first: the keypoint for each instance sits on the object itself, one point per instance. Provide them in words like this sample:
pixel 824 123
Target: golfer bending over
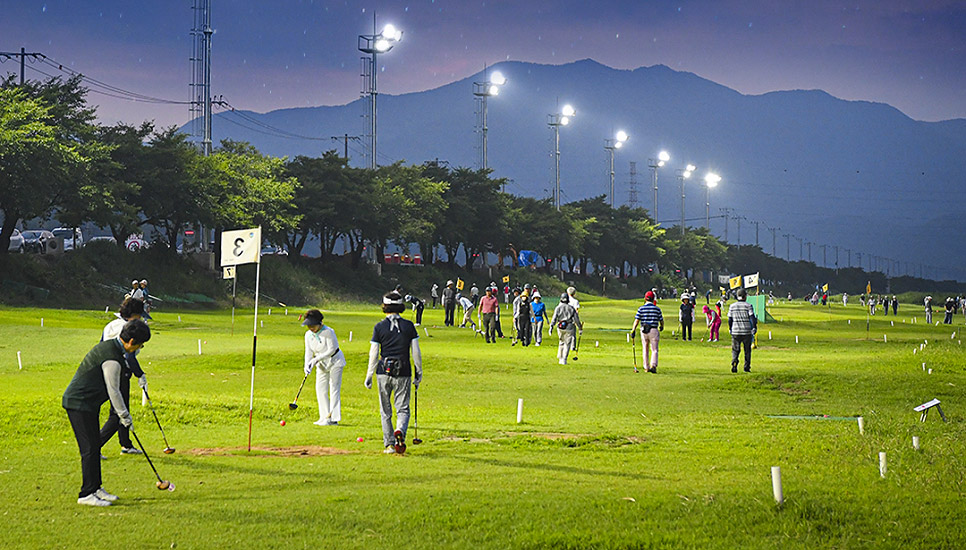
pixel 566 320
pixel 322 351
pixel 98 378
pixel 393 339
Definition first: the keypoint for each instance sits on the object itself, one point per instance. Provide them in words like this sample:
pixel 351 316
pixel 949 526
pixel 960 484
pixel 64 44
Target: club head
pixel 575 357
pixel 417 441
pixel 293 406
pixel 168 451
pixel 164 485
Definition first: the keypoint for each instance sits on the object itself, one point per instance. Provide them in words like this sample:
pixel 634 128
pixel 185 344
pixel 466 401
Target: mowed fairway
pixel 604 457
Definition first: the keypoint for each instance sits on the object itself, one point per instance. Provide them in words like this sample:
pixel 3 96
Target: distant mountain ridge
pixel 857 174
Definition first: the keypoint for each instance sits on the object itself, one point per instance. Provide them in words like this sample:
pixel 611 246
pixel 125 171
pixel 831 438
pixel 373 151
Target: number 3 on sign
pixel 240 247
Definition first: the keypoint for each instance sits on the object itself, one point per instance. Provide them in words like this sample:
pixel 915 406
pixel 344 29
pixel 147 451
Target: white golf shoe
pixel 92 500
pixel 104 495
pixel 389 450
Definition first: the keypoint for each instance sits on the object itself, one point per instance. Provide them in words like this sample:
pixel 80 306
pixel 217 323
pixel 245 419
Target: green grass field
pixel 604 458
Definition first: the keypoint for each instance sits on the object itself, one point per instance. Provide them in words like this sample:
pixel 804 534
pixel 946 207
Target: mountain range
pixel 858 175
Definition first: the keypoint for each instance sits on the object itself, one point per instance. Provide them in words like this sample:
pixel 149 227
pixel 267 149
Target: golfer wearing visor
pixel 322 353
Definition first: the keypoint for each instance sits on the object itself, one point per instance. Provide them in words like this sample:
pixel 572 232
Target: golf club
pixel 577 347
pixel 416 440
pixel 162 484
pixel 293 405
pixel 634 351
pixel 167 448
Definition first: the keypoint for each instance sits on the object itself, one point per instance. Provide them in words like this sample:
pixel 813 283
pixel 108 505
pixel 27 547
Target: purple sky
pixel 286 53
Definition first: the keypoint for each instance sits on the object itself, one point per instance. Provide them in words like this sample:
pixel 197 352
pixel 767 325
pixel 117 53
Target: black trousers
pixel 450 313
pixel 113 424
pixel 739 341
pixel 685 330
pixel 419 314
pixel 89 443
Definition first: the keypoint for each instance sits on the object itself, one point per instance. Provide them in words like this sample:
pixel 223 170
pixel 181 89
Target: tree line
pixel 57 162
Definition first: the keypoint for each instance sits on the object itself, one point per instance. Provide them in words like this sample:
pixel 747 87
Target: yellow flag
pixel 735 282
pixel 506 278
pixel 868 288
pixel 825 288
pixel 459 284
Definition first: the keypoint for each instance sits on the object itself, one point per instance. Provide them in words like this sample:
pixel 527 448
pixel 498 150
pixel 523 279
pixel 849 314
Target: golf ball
pixel 282 423
pixel 359 439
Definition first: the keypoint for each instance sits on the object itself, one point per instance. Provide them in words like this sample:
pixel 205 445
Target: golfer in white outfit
pixel 322 352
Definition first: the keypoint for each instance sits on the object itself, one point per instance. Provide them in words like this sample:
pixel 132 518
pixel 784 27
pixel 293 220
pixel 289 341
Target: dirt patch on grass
pixel 306 450
pixel 548 435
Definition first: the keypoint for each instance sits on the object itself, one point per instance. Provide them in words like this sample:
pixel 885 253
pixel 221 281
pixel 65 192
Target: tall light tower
pixel 654 164
pixel 683 175
pixel 610 145
pixel 373 44
pixel 555 121
pixel 710 180
pixel 483 90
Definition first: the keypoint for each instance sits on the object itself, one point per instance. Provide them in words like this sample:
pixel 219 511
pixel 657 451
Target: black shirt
pixel 395 342
pixel 687 311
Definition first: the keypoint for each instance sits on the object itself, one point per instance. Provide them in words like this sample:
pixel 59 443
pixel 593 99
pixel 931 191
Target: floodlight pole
pixel 610 146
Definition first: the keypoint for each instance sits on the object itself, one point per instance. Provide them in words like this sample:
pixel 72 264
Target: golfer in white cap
pixel 322 353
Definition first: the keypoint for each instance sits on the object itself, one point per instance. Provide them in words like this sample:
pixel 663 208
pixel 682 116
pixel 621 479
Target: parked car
pixel 16 242
pixel 36 240
pixel 70 237
pixel 269 250
pixel 102 239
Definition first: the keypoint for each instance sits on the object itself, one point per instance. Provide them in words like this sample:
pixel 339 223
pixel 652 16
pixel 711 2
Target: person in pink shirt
pixel 714 323
pixel 490 309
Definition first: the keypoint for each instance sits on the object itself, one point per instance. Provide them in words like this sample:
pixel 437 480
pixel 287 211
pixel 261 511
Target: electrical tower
pixel 632 187
pixel 201 74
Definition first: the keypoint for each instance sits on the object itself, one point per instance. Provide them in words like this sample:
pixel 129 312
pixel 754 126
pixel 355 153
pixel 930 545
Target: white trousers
pixel 328 390
pixel 650 339
pixel 565 345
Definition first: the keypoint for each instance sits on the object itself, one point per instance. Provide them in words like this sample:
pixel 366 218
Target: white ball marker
pixel 520 410
pixel 861 422
pixel 882 465
pixel 915 442
pixel 776 484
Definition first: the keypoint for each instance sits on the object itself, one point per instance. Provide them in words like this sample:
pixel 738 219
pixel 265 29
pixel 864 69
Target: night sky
pixel 289 53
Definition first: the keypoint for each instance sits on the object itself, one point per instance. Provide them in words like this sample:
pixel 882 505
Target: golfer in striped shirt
pixel 651 321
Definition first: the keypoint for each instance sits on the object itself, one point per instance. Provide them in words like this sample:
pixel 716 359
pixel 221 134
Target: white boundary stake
pixel 19 361
pixel 861 422
pixel 915 442
pixel 882 464
pixel 885 338
pixel 776 484
pixel 769 335
pixel 107 309
pixel 796 338
pixel 199 346
pixel 923 366
pixel 42 324
pixel 929 371
pixel 426 331
pixel 520 411
pixel 350 335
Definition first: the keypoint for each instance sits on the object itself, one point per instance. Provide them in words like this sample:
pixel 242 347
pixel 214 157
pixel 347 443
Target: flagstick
pixel 251 395
pixel 234 285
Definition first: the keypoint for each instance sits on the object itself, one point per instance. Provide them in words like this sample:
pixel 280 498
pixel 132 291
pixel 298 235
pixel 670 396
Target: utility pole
pixel 773 230
pixel 632 187
pixel 836 247
pixel 727 212
pixel 23 55
pixel 799 239
pixel 809 245
pixel 824 261
pixel 345 139
pixel 756 232
pixel 788 246
pixel 738 221
pixel 849 252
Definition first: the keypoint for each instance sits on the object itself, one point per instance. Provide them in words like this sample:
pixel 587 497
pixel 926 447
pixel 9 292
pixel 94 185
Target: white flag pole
pixel 251 397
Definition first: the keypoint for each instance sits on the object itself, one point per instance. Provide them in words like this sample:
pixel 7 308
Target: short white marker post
pixel 861 422
pixel 107 309
pixel 776 484
pixel 925 342
pixel 929 371
pixel 42 324
pixel 882 465
pixel 426 332
pixel 261 323
pixel 520 410
pixel 796 338
pixel 199 346
pixel 19 362
pixel 915 442
pixel 923 366
pixel 892 323
pixel 628 337
pixel 885 337
pixel 850 321
pixel 914 350
pixel 269 311
pixel 596 343
pixel 179 318
pixel 350 335
pixel 286 311
pixel 769 335
pixel 953 337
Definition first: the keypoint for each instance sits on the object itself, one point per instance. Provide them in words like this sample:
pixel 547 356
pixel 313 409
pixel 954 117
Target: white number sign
pixel 241 246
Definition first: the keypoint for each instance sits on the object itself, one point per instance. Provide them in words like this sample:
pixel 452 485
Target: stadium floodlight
pixel 490 87
pixel 654 164
pixel 710 180
pixel 372 44
pixel 555 121
pixel 684 174
pixel 610 145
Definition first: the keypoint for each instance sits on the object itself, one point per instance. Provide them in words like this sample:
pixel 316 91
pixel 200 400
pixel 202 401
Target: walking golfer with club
pixel 322 353
pixel 651 321
pixel 98 379
pixel 566 320
pixel 394 339
pixel 130 310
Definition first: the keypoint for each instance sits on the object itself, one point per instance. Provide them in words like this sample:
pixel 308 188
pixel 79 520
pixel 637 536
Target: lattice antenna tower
pixel 200 107
pixel 632 187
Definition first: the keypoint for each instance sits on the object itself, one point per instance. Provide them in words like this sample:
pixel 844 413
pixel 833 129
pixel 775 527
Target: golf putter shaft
pixel 634 351
pixel 164 437
pixel 145 453
pixel 294 404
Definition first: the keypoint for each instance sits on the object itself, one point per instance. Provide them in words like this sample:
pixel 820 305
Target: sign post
pixel 239 247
